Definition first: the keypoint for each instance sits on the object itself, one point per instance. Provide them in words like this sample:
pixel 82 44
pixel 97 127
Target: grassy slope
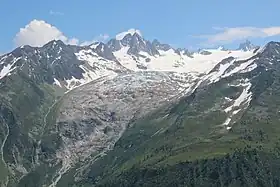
pixel 249 167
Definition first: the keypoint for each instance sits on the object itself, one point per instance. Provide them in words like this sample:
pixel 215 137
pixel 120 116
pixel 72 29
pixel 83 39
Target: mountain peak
pixel 160 46
pixel 246 46
pixel 131 32
pixel 94 45
pixel 271 49
pixel 54 42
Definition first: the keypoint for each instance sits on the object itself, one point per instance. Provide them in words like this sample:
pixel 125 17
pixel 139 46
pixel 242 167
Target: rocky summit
pixel 134 112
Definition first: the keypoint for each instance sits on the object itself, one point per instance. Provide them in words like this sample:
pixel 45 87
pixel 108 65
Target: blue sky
pixel 182 23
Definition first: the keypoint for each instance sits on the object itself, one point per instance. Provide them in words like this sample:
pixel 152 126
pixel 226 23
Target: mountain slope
pixel 70 114
pixel 32 81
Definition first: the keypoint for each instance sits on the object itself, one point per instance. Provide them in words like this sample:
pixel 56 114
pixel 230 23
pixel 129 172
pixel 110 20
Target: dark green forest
pixel 247 167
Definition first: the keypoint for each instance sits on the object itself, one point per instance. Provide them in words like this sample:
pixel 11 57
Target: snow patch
pixel 239 68
pixel 72 83
pixel 215 76
pixel 56 82
pixel 94 45
pixel 227 121
pixel 125 59
pixel 249 68
pixel 2 59
pixel 228 99
pixel 7 69
pixel 244 98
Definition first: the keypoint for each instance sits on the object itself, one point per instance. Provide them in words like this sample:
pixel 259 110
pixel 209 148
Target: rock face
pixel 135 44
pixel 64 108
pixel 247 46
pixel 159 46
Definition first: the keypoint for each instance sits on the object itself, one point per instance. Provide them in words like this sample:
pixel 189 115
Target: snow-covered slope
pixel 192 66
pixel 171 61
pixel 62 65
pixel 167 58
pixel 94 67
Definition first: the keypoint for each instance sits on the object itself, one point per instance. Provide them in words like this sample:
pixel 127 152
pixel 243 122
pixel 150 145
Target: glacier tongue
pixel 92 117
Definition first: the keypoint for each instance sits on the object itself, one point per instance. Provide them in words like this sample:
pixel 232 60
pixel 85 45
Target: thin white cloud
pixel 56 13
pixel 38 32
pixel 229 35
pixel 218 28
pixel 100 38
pixel 85 43
pixel 73 41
